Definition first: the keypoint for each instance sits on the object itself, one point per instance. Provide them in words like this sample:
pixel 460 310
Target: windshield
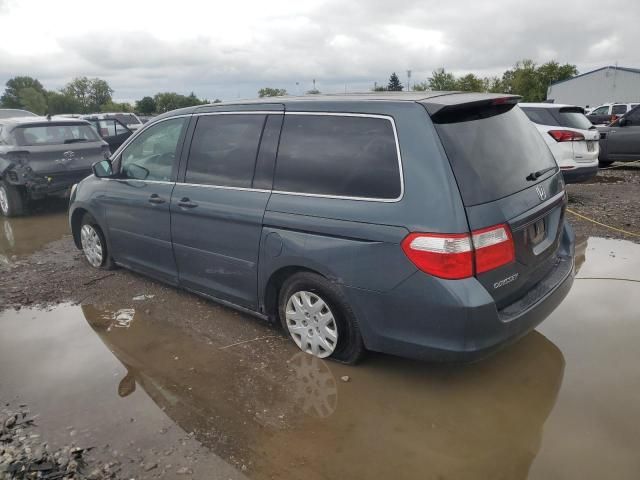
pixel 574 118
pixel 54 134
pixel 492 157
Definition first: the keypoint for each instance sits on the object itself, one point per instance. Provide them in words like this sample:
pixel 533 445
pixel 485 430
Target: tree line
pixel 526 79
pixel 84 95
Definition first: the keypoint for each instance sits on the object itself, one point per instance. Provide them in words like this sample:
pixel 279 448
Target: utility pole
pixel 408 80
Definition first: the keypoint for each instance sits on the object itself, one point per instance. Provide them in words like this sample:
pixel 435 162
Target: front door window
pixel 151 155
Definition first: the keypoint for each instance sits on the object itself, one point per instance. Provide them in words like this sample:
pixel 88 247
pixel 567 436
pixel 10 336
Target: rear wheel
pixel 12 200
pixel 94 245
pixel 318 318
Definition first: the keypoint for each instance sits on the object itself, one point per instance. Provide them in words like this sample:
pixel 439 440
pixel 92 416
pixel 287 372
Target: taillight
pixel 493 247
pixel 455 256
pixel 566 135
pixel 445 256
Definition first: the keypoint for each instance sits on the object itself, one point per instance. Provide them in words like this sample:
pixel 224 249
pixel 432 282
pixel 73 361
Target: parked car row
pixel 609 112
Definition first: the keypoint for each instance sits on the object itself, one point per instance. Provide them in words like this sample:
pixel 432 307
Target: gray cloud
pixel 346 43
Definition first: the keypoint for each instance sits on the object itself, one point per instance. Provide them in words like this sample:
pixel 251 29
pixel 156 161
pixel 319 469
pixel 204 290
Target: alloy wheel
pixel 311 324
pixel 91 245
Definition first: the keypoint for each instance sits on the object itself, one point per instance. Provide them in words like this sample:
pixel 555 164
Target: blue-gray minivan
pixel 427 225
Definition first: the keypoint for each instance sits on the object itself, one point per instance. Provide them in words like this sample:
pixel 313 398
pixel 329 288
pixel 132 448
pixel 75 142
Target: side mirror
pixel 623 122
pixel 102 169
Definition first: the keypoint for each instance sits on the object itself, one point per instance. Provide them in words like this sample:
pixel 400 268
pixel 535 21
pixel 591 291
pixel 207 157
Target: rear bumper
pixel 39 186
pixel 455 320
pixel 579 174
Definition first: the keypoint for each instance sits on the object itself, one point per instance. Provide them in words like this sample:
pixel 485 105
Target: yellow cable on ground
pixel 602 224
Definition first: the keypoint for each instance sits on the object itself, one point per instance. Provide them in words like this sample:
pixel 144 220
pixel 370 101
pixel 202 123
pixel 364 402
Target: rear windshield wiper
pixel 75 140
pixel 536 175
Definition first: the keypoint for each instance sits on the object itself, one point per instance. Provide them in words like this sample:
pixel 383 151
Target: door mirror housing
pixel 102 169
pixel 623 122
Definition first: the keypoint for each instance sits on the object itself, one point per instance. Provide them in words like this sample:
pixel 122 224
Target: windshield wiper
pixel 536 175
pixel 75 140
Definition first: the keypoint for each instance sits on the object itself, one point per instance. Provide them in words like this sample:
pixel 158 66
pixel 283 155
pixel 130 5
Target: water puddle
pixel 25 235
pixel 561 403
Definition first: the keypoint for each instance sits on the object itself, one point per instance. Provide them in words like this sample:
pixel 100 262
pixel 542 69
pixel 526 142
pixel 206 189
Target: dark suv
pixel 41 157
pixel 427 225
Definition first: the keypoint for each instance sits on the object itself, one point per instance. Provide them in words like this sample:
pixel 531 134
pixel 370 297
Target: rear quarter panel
pixel 356 243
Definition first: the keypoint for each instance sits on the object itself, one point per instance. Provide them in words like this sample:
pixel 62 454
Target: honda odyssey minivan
pixel 428 225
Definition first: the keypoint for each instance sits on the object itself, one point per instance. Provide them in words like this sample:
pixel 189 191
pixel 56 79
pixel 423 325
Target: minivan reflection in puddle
pixel 293 418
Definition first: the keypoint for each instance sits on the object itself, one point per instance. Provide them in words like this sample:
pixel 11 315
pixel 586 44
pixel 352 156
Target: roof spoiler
pixel 470 106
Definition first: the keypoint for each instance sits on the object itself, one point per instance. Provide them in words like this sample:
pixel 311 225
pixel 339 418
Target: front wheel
pixel 604 163
pixel 318 318
pixel 94 245
pixel 12 201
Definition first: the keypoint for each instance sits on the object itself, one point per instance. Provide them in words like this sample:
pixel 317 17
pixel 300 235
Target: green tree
pixel 271 92
pixel 92 93
pixel 116 107
pixel 492 84
pixel 58 103
pixel 394 83
pixel 441 80
pixel 146 106
pixel 469 83
pixel 532 81
pixel 11 95
pixel 33 100
pixel 420 87
pixel 551 72
pixel 166 101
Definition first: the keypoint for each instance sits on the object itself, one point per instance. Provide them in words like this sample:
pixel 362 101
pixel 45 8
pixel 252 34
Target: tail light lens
pixel 456 256
pixel 445 256
pixel 493 247
pixel 566 136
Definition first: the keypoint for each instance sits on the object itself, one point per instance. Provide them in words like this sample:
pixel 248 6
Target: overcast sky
pixel 229 50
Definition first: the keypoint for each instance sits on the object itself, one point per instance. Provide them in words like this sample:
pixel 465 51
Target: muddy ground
pixel 163 384
pixel 612 198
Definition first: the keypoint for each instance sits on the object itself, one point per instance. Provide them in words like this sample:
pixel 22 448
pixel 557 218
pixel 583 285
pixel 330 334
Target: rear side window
pixel 619 109
pixel 54 134
pixel 541 116
pixel 492 157
pixel 223 150
pixel 604 110
pixel 336 155
pixel 574 118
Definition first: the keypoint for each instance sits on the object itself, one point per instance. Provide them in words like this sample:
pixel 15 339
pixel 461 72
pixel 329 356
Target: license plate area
pixel 537 232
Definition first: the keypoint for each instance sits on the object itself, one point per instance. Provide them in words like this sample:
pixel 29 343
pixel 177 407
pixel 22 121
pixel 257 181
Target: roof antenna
pixel 49 116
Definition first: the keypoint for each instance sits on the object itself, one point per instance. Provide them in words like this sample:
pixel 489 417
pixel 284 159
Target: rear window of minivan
pixel 338 155
pixel 492 155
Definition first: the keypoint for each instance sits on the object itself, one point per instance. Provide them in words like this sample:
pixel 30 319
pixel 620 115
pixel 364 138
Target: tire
pixel 310 325
pixel 604 163
pixel 94 244
pixel 13 202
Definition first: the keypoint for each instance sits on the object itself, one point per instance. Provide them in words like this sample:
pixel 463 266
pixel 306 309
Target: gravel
pixel 25 455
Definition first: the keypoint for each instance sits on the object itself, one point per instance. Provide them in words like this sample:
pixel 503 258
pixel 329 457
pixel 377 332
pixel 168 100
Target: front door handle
pixel 186 203
pixel 155 199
